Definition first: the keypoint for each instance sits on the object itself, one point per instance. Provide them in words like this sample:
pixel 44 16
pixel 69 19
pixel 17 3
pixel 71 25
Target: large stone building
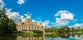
pixel 28 25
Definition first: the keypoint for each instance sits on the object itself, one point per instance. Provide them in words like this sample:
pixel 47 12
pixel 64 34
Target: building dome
pixel 28 19
pixel 28 16
pixel 19 19
pixel 40 23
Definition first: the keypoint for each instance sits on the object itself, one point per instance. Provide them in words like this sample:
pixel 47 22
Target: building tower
pixel 28 19
pixel 40 23
pixel 19 21
pixel 40 27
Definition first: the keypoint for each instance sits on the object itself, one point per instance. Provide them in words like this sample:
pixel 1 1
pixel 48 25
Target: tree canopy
pixel 6 25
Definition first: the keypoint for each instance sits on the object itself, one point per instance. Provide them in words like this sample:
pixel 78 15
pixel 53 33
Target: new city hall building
pixel 28 25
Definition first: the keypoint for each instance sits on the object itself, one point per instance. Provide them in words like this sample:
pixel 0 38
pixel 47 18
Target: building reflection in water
pixel 62 37
pixel 29 38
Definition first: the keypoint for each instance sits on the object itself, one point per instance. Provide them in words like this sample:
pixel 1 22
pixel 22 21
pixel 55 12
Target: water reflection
pixel 29 38
pixel 59 37
pixel 55 37
pixel 7 37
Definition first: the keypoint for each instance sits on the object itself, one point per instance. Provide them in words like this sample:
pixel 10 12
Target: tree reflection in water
pixel 50 37
pixel 6 37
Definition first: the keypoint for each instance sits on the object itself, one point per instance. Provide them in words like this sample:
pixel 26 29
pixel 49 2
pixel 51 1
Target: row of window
pixel 34 28
pixel 30 28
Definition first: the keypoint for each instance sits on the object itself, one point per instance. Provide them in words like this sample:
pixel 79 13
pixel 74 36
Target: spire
pixel 20 20
pixel 40 22
pixel 29 16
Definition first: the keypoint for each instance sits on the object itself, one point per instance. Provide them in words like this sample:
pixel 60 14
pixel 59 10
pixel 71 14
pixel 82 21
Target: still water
pixel 63 37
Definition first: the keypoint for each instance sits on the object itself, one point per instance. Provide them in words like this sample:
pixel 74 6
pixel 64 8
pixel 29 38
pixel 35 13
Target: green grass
pixel 24 33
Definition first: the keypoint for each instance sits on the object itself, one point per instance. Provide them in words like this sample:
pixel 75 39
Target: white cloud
pixel 2 4
pixel 23 19
pixel 34 20
pixel 59 22
pixel 12 15
pixel 63 17
pixel 22 16
pixel 21 1
pixel 28 13
pixel 25 14
pixel 76 25
pixel 45 23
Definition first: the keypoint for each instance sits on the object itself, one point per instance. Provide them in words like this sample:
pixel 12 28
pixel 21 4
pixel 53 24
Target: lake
pixel 48 37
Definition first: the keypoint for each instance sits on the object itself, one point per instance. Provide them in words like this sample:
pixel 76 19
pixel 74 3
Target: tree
pixel 37 31
pixel 11 26
pixel 79 30
pixel 62 30
pixel 48 30
pixel 73 30
pixel 6 25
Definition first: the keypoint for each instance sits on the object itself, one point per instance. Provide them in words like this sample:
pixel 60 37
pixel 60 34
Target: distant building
pixel 28 25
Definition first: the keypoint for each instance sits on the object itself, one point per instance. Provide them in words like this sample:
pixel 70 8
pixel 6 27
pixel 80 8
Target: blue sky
pixel 46 9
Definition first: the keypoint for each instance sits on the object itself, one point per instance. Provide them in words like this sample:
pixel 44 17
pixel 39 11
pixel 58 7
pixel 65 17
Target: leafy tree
pixel 48 30
pixel 79 30
pixel 73 29
pixel 6 25
pixel 37 31
pixel 62 30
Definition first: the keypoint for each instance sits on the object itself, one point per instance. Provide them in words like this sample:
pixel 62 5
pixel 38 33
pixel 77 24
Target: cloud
pixel 63 17
pixel 12 15
pixel 59 22
pixel 2 4
pixel 25 14
pixel 45 23
pixel 78 25
pixel 21 1
pixel 23 19
pixel 34 20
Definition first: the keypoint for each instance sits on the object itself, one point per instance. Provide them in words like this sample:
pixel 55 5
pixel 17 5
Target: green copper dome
pixel 19 19
pixel 28 16
pixel 39 21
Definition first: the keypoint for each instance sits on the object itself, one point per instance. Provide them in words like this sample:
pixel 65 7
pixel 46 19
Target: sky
pixel 54 13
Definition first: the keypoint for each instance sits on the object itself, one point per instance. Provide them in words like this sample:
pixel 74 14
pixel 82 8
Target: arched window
pixel 29 27
pixel 37 27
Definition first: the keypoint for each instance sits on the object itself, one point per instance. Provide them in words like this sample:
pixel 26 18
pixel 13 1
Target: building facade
pixel 28 25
